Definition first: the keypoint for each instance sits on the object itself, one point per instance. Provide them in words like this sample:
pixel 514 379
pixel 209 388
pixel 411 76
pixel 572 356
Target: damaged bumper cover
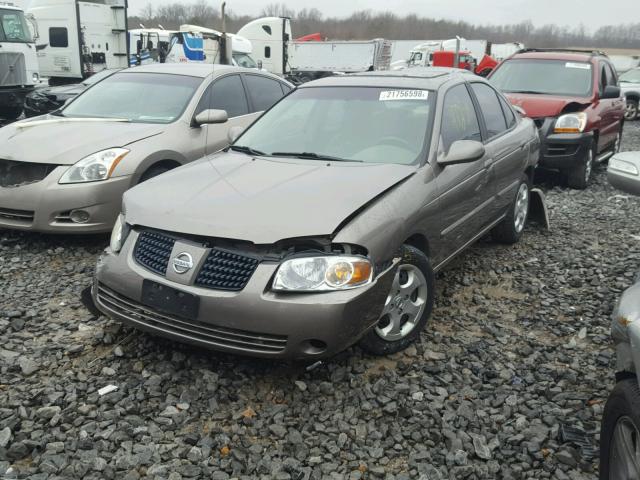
pixel 562 150
pixel 254 321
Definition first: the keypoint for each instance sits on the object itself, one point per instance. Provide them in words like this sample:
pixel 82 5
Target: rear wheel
pixel 407 308
pixel 620 433
pixel 579 176
pixel 632 110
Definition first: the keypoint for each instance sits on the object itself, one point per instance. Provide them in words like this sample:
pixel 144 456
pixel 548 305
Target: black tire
pixel 507 231
pixel 623 403
pixel 632 111
pixel 153 172
pixel 11 113
pixel 374 343
pixel 579 176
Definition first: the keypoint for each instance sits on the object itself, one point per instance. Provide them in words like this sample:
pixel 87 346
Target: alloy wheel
pixel 631 111
pixel 624 463
pixel 521 208
pixel 405 304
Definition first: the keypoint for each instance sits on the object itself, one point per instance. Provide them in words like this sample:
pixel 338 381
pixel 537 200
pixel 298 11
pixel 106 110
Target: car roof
pixel 201 70
pixel 429 78
pixel 559 55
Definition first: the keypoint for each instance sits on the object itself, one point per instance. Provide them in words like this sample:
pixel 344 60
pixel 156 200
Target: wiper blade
pixel 247 150
pixel 312 156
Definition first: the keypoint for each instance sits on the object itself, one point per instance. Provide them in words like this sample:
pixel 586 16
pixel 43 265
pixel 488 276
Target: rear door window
pixel 491 110
pixel 228 94
pixel 459 120
pixel 508 112
pixel 264 92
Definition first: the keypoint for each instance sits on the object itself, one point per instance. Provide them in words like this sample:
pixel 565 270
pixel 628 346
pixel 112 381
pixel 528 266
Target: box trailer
pixel 18 61
pixel 77 38
pixel 301 61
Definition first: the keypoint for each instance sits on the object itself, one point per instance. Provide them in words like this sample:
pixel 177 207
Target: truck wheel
pixel 510 229
pixel 631 112
pixel 408 306
pixel 620 433
pixel 11 113
pixel 579 176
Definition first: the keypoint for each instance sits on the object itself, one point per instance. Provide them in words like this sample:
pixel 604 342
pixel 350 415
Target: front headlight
pixel 571 123
pixel 119 234
pixel 96 167
pixel 623 166
pixel 317 274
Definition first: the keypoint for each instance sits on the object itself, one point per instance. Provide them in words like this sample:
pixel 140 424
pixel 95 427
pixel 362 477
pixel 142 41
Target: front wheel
pixel 632 110
pixel 579 176
pixel 620 433
pixel 510 229
pixel 407 308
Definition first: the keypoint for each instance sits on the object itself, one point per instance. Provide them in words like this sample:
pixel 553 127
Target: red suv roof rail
pixel 566 50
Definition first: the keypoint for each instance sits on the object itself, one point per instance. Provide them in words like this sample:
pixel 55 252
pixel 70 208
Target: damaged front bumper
pixel 254 321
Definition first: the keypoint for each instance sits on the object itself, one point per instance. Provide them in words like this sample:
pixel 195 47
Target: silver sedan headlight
pixel 96 167
pixel 119 234
pixel 325 273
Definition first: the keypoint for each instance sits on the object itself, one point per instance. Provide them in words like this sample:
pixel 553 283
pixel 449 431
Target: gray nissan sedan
pixel 66 172
pixel 324 223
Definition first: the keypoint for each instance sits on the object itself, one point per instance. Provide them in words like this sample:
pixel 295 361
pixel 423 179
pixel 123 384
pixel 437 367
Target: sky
pixel 593 13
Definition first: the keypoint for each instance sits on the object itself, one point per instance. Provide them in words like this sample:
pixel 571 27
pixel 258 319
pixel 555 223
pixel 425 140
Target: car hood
pixel 61 142
pixel 62 91
pixel 261 200
pixel 537 106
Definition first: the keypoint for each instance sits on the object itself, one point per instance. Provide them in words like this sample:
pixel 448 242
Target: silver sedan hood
pixel 263 200
pixel 60 141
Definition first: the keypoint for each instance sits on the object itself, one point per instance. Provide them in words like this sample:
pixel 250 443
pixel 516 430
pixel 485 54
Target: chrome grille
pixel 211 335
pixel 12 69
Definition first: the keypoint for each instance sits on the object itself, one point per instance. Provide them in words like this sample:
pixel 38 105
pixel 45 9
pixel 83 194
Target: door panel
pixel 465 190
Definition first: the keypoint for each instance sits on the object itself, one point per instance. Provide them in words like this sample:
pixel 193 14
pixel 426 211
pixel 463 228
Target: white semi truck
pixel 18 62
pixel 301 61
pixel 77 38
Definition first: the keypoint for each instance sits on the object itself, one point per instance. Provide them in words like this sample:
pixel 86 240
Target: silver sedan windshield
pixel 360 124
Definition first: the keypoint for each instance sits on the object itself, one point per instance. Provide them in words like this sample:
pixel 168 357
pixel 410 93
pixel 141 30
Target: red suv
pixel 575 100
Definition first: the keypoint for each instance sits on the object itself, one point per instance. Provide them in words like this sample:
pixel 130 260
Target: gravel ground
pixel 508 382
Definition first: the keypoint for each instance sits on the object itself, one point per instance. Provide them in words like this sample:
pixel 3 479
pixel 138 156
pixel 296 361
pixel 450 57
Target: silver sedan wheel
pixel 521 208
pixel 631 111
pixel 405 304
pixel 624 463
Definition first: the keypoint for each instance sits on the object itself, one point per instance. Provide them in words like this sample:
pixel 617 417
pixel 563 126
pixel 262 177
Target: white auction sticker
pixel 583 66
pixel 390 95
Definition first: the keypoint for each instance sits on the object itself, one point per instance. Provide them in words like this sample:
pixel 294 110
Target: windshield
pixel 13 27
pixel 547 77
pixel 632 76
pixel 373 125
pixel 244 60
pixel 137 97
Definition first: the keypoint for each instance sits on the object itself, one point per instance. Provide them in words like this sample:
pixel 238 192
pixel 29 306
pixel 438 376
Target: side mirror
pixel 610 92
pixel 624 172
pixel 463 151
pixel 234 133
pixel 209 117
